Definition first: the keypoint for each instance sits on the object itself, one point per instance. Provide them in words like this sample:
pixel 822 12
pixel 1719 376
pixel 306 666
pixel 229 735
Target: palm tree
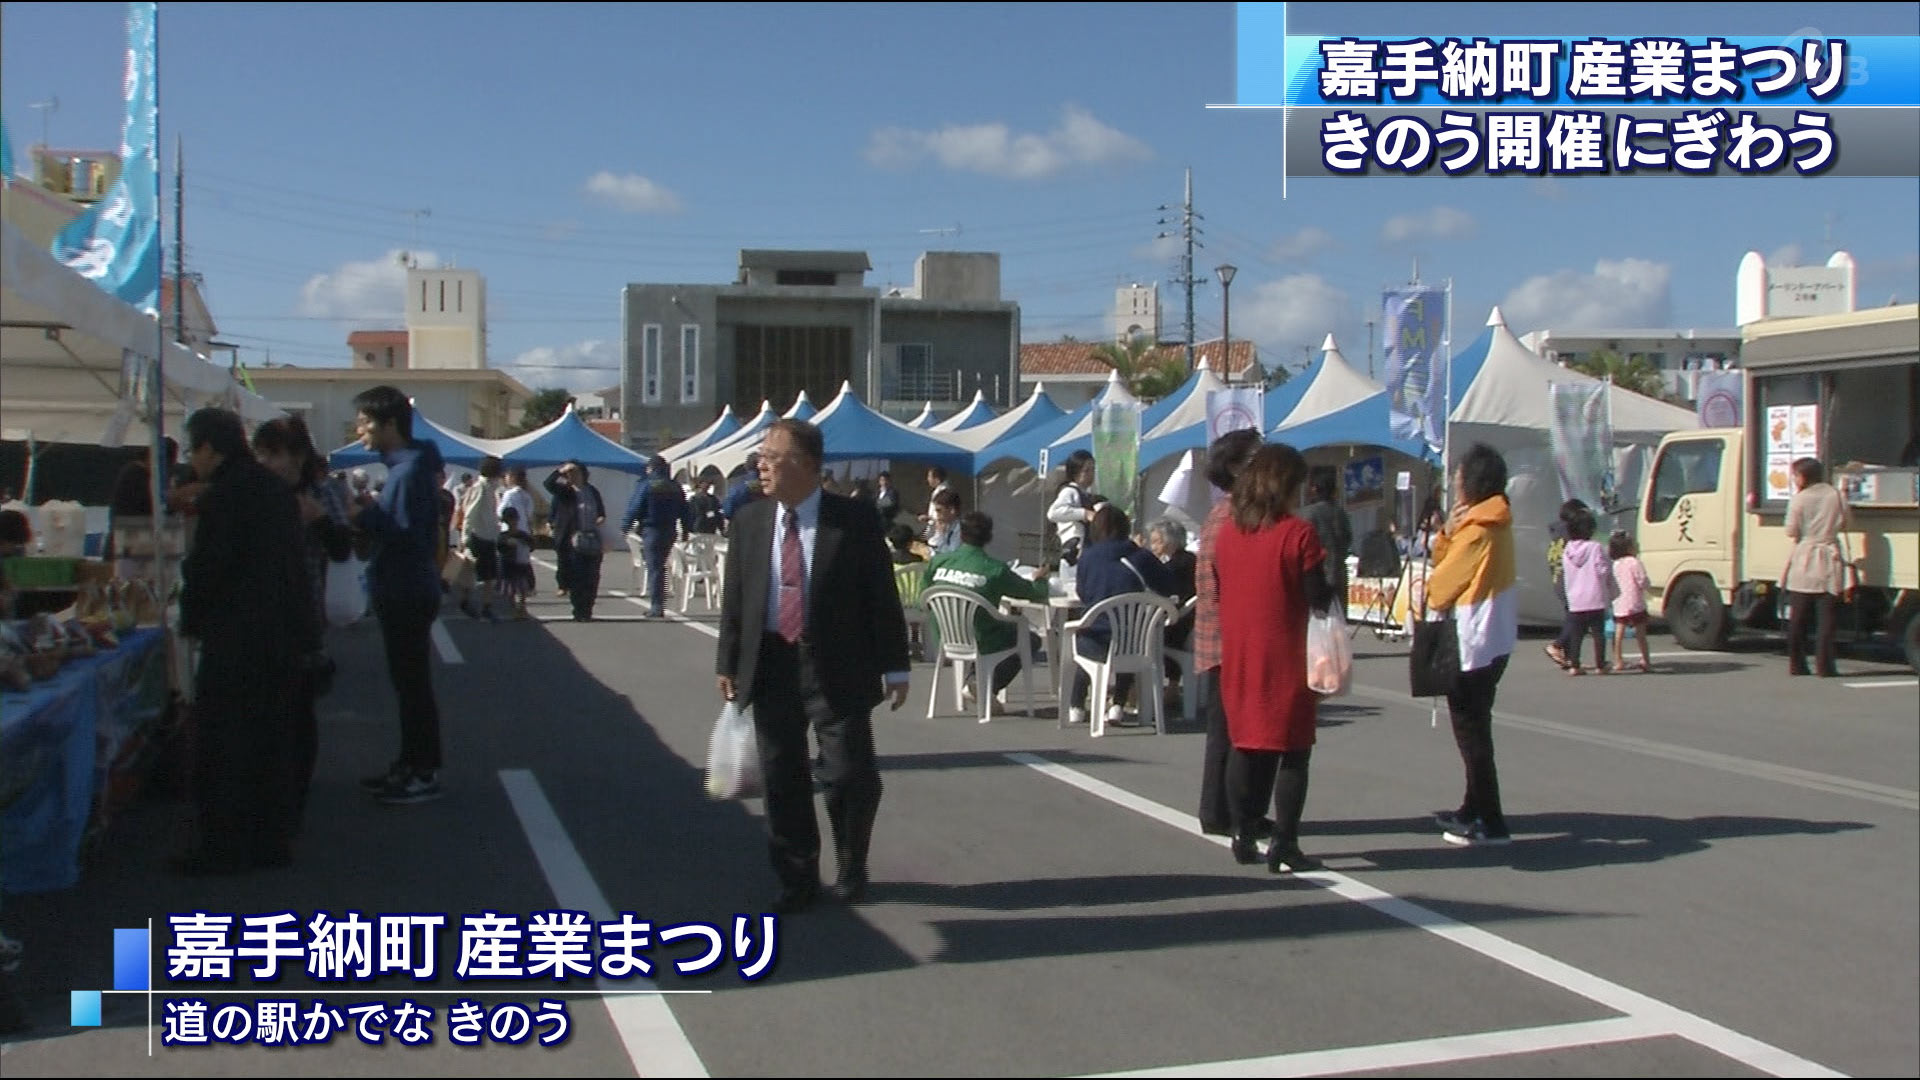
pixel 1148 373
pixel 1635 373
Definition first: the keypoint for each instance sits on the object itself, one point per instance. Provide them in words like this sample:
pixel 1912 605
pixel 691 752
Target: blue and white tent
pixel 853 432
pixel 465 451
pixel 722 428
pixel 570 439
pixel 1025 448
pixel 1340 407
pixel 696 462
pixel 976 413
pixel 1154 418
pixel 1278 401
pixel 803 408
pixel 1030 414
pixel 926 420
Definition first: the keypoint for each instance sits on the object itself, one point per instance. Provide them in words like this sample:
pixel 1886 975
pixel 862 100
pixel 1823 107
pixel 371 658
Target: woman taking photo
pixel 1816 569
pixel 1473 583
pixel 1277 569
pixel 287 451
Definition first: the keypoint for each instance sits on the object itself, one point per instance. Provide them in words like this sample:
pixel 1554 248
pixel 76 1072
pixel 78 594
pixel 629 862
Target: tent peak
pixel 1329 345
pixel 1496 319
pixel 1203 365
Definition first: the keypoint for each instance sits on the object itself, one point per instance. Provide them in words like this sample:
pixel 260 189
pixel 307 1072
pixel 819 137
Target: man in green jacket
pixel 970 567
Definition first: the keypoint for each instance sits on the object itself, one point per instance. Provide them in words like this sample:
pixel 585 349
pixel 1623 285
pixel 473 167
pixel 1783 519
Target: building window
pixel 775 363
pixel 460 295
pixel 443 294
pixel 650 364
pixel 369 359
pixel 423 296
pixel 689 363
pixel 389 356
pixel 805 277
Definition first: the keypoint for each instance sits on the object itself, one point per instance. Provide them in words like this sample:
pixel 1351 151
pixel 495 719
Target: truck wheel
pixel 1696 614
pixel 1910 638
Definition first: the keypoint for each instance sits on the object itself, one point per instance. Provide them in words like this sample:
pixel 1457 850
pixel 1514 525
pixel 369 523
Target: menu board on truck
pixel 1779 476
pixel 1779 429
pixel 1806 431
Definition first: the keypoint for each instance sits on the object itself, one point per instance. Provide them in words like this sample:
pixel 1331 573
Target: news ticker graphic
pixel 1621 105
pixel 208 949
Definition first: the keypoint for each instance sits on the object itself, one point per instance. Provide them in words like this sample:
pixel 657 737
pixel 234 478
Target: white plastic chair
pixel 1183 659
pixel 1137 623
pixel 699 566
pixel 952 610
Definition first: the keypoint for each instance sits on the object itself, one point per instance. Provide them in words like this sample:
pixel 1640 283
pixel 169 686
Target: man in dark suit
pixel 811 635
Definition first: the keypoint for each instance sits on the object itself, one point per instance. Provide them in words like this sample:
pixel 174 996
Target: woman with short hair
pixel 1816 569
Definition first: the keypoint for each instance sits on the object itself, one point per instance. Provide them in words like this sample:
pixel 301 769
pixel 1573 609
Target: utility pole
pixel 1189 230
pixel 1369 348
pixel 413 237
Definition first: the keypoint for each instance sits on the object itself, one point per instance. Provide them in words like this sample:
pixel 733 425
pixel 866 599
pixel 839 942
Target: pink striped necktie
pixel 793 621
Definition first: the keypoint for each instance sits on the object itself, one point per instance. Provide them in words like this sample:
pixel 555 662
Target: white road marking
pixel 443 644
pixel 1690 652
pixel 1419 1052
pixel 655 1043
pixel 1903 798
pixel 1650 1011
pixel 1877 685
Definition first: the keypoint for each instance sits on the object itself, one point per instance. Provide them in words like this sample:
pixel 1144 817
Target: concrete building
pixel 1680 355
pixel 446 319
pixel 483 402
pixel 1075 374
pixel 807 320
pixel 381 350
pixel 1136 311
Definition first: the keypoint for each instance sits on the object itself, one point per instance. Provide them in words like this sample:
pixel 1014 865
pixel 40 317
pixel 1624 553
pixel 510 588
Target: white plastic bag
pixel 346 592
pixel 733 756
pixel 1329 655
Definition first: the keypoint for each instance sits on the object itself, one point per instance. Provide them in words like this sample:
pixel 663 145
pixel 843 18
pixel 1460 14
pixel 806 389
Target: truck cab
pixel 1842 389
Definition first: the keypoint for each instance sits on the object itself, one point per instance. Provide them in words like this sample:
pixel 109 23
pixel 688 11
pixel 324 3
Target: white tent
pixel 1507 407
pixel 723 426
pixel 696 462
pixel 1334 387
pixel 977 412
pixel 65 367
pixel 1036 410
pixel 927 418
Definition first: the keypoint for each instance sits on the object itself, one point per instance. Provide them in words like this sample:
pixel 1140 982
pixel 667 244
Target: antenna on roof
pixel 950 230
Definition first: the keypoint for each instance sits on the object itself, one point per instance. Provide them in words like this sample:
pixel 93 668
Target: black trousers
pixel 243 771
pixel 406 627
pixel 305 744
pixel 1575 631
pixel 788 700
pixel 583 581
pixel 1799 606
pixel 1216 816
pixel 1470 704
pixel 1256 776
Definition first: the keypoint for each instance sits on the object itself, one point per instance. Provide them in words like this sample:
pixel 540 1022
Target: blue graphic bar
pixel 130 960
pixel 1470 70
pixel 84 1010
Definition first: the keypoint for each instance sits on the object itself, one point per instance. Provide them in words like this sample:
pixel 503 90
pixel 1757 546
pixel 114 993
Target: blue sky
pixel 566 150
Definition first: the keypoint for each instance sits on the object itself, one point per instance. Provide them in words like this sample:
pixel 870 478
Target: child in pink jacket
pixel 1630 601
pixel 1588 574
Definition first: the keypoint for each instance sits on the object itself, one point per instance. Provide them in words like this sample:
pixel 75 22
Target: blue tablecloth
pixel 57 742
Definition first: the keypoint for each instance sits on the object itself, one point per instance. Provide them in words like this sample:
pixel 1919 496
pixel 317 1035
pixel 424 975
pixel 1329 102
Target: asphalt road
pixel 1716 872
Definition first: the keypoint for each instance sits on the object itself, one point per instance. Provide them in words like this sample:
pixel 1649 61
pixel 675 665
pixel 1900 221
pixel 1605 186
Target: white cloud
pixel 1785 255
pixel 1549 188
pixel 367 290
pixel 1439 223
pixel 995 150
pixel 1303 245
pixel 582 367
pixel 1618 293
pixel 632 192
pixel 1283 315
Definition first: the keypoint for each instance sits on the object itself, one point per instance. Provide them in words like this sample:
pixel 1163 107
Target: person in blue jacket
pixel 1111 564
pixel 403 528
pixel 744 490
pixel 659 510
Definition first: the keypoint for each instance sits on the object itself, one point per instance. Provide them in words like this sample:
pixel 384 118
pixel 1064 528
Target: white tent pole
pixel 1446 427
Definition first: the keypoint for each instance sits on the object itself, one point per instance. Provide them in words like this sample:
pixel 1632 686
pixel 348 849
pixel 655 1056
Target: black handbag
pixel 1433 665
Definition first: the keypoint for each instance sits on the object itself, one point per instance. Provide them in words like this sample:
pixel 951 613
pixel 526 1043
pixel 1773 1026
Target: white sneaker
pixel 1115 714
pixel 1076 716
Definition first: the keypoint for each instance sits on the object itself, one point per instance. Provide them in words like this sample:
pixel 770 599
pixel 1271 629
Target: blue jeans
pixel 657 545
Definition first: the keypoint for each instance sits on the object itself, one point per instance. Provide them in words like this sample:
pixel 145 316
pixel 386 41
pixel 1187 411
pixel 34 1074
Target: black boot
pixel 1246 847
pixel 1289 802
pixel 852 836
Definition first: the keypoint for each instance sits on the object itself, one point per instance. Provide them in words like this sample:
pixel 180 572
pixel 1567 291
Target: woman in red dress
pixel 1273 571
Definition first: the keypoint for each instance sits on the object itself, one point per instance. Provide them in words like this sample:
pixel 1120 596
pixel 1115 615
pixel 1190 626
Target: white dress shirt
pixel 808 511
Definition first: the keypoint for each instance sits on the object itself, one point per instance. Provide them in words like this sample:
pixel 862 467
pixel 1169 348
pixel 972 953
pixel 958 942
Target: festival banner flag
pixel 1234 408
pixel 1722 398
pixel 1582 439
pixel 116 242
pixel 1415 319
pixel 1116 447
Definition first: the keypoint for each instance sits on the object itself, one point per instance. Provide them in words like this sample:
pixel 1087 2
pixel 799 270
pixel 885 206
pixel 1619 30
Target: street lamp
pixel 1226 272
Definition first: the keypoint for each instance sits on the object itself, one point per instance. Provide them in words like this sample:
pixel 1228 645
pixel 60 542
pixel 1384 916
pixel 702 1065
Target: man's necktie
pixel 793 619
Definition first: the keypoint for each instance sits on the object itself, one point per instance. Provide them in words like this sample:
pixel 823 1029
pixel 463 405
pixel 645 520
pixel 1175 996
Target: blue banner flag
pixel 1416 328
pixel 116 242
pixel 6 154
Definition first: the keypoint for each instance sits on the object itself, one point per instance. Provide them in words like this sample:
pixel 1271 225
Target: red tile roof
pixel 612 429
pixel 1077 357
pixel 377 337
